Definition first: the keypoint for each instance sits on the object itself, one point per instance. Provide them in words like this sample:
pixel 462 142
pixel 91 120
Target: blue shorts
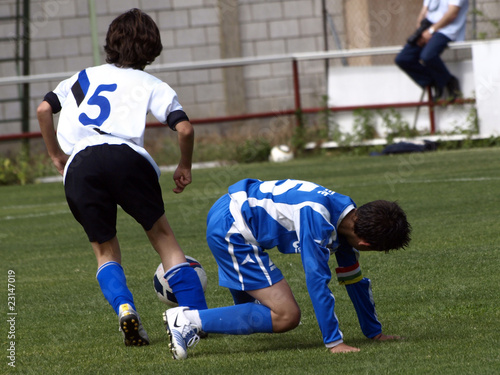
pixel 242 265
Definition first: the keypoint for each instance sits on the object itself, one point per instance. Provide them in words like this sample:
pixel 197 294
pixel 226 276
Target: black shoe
pixel 453 88
pixel 437 93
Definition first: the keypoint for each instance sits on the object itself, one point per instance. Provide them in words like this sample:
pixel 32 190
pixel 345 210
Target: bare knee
pixel 286 320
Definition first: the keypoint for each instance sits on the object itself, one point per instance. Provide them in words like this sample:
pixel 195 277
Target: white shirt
pixel 436 10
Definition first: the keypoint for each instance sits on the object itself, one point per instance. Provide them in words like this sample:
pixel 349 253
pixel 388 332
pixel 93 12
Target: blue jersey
pixel 295 217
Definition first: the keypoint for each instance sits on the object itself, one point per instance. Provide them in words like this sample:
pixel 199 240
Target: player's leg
pixel 113 284
pixel 239 319
pixel 282 314
pixel 136 189
pixel 91 200
pixel 163 240
pixel 247 270
pixel 92 203
pixel 110 274
pixel 285 312
pixel 245 267
pixel 183 279
pixel 277 312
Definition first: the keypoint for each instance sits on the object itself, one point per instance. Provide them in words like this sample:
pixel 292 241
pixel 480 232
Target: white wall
pixel 486 60
pixel 387 84
pixel 479 79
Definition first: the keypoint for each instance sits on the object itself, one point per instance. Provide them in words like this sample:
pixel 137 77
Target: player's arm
pixel 358 288
pixel 360 292
pixel 317 279
pixel 46 121
pixel 182 175
pixel 313 229
pixel 165 106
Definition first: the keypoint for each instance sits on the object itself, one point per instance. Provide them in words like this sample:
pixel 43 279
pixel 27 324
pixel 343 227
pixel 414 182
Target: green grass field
pixel 441 294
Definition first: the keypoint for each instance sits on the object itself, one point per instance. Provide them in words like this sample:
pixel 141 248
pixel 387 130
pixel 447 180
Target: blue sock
pixel 113 285
pixel 242 319
pixel 186 287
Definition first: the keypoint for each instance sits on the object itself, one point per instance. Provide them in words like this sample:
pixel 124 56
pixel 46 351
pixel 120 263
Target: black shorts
pixel 101 177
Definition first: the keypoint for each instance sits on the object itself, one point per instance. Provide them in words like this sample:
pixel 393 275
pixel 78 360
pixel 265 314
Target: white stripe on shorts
pixel 261 265
pixel 230 250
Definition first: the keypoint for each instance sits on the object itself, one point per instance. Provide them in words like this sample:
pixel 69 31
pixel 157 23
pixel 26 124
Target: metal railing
pixel 293 59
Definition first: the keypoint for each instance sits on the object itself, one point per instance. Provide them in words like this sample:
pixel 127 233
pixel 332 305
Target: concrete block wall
pixel 191 31
pixel 486 27
pixel 280 27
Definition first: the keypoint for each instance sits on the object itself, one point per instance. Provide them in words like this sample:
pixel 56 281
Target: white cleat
pixel 181 332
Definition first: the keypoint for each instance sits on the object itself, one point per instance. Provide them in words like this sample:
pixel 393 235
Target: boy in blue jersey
pixel 295 217
pixel 99 150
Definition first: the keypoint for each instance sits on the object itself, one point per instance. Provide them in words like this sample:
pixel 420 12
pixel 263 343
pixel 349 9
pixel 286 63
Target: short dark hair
pixel 133 40
pixel 383 225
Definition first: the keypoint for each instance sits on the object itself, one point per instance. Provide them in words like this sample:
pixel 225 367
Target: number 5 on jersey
pixel 103 104
pixel 80 89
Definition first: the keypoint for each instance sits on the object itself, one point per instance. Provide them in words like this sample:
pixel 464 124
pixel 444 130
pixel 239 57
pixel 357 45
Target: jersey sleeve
pixel 63 89
pixel 314 234
pixel 164 101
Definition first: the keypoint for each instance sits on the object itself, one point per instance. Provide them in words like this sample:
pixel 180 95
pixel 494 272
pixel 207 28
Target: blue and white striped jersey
pixel 296 217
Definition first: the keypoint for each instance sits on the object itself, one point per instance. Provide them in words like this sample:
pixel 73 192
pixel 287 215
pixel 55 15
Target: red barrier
pixel 296 111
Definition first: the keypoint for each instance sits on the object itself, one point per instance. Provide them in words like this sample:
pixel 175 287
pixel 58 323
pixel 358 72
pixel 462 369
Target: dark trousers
pixel 424 64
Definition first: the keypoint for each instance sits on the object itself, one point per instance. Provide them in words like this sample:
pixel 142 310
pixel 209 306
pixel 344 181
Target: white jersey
pixel 115 101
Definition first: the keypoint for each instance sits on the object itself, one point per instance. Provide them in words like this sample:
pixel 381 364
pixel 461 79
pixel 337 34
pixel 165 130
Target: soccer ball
pixel 280 154
pixel 163 290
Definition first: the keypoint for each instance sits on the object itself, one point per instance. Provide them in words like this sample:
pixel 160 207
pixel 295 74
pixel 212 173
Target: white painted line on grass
pixel 29 216
pixel 163 168
pixel 426 181
pixel 38 205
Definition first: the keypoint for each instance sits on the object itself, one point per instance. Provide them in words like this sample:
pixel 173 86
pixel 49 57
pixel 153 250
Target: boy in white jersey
pixel 295 217
pixel 99 151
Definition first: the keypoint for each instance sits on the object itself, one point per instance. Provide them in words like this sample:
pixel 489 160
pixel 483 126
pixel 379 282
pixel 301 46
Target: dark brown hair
pixel 133 40
pixel 383 225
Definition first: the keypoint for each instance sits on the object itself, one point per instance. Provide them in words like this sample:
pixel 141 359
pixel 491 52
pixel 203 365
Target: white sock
pixel 194 317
